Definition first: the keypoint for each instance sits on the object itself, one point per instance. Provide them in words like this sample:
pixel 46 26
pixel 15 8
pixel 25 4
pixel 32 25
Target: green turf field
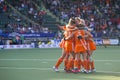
pixel 36 64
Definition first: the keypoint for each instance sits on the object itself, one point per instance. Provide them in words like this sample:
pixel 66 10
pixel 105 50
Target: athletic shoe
pixel 82 70
pixel 68 71
pixel 55 69
pixel 93 70
pixel 86 71
pixel 75 70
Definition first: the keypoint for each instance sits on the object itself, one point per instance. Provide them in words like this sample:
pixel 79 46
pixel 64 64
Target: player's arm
pixel 70 36
pixel 88 34
pixel 72 29
pixel 62 27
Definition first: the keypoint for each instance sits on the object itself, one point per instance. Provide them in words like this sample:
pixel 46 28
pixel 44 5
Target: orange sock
pixel 88 65
pixel 69 65
pixel 92 65
pixel 85 64
pixel 65 62
pixel 82 64
pixel 72 64
pixel 75 63
pixel 58 62
pixel 79 64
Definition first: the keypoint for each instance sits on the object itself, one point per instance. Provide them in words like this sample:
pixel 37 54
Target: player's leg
pixel 76 63
pixel 59 61
pixel 92 49
pixel 69 65
pixel 92 62
pixel 66 60
pixel 85 62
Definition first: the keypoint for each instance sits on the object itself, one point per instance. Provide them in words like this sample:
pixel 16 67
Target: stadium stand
pixel 35 16
pixel 33 10
pixel 102 15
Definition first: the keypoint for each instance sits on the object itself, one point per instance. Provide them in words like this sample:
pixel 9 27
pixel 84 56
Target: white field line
pixel 29 59
pixel 46 69
pixel 52 60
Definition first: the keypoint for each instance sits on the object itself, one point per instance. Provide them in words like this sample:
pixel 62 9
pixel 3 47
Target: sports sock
pixel 75 63
pixel 58 62
pixel 92 64
pixel 79 64
pixel 88 65
pixel 70 63
pixel 65 62
pixel 82 63
pixel 85 64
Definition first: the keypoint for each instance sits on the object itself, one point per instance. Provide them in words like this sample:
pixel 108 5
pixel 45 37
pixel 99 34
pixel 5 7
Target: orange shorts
pixel 91 45
pixel 68 47
pixel 79 48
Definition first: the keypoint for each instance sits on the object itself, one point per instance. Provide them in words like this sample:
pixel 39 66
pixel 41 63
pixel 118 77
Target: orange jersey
pixel 66 33
pixel 68 45
pixel 90 44
pixel 80 44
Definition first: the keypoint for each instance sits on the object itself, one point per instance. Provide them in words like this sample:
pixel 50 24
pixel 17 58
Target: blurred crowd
pixel 101 15
pixel 3 6
pixel 24 28
pixel 27 8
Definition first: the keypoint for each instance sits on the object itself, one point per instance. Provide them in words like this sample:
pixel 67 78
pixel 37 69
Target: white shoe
pixel 82 70
pixel 89 71
pixel 86 71
pixel 55 69
pixel 93 70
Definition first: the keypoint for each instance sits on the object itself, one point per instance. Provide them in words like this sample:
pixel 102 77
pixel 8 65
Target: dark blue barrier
pixel 4 35
pixel 98 41
pixel 29 35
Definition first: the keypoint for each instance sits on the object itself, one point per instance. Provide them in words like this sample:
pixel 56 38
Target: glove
pixel 79 37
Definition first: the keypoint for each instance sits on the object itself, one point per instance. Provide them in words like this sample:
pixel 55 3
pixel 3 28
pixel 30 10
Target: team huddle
pixel 77 47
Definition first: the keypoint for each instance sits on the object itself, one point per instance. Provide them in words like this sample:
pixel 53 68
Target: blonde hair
pixel 71 21
pixel 81 21
pixel 77 18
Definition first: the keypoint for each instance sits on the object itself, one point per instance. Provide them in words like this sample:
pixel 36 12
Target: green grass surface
pixel 36 64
